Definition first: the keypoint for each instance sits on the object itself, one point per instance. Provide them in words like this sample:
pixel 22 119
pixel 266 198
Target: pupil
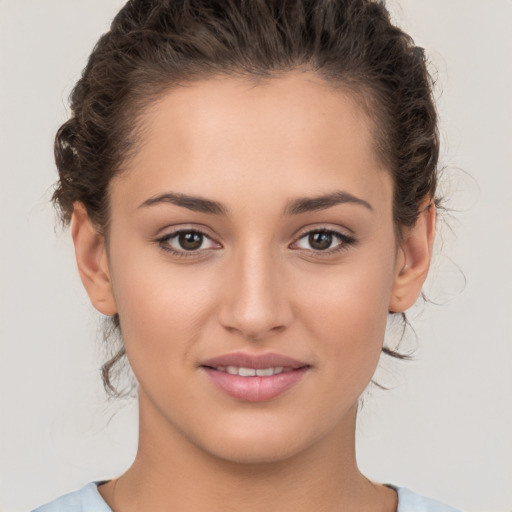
pixel 320 241
pixel 190 241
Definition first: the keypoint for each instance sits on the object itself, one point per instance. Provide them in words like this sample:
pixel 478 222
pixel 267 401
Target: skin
pixel 256 285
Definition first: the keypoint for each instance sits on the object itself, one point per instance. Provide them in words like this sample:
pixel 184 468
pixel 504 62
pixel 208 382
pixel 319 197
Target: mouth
pixel 253 378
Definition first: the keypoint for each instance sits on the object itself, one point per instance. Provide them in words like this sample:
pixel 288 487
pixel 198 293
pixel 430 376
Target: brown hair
pixel 153 45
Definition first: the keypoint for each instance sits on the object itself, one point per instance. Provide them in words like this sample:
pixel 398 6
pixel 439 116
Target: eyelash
pixel 345 242
pixel 164 241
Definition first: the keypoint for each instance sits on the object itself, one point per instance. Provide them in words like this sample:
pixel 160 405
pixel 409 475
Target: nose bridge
pixel 255 302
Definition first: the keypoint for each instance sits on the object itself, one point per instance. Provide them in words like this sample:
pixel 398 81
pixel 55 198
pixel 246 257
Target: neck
pixel 170 472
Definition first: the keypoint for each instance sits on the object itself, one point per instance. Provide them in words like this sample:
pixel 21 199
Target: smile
pixel 254 378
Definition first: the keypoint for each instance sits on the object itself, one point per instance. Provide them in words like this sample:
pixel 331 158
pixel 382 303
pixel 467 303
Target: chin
pixel 257 443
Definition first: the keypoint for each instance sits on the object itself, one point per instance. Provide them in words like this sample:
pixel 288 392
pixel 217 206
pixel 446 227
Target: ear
pixel 91 258
pixel 413 260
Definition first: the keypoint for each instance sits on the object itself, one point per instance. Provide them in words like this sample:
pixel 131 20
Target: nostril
pixel 254 310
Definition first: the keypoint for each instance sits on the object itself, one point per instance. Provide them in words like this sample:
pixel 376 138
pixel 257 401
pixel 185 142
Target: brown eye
pixel 320 240
pixel 187 242
pixel 190 240
pixel 324 241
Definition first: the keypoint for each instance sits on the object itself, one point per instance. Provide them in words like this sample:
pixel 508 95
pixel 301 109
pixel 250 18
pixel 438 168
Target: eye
pixel 323 240
pixel 187 241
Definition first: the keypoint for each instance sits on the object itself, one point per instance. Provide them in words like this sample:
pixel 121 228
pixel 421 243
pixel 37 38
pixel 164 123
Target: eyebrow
pixel 294 207
pixel 311 204
pixel 196 204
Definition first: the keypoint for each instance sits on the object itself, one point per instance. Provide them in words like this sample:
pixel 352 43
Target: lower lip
pixel 255 389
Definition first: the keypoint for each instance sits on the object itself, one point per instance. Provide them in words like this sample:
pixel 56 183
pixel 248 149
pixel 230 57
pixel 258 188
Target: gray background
pixel 444 430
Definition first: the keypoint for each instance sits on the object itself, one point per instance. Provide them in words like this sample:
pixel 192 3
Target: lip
pixel 258 361
pixel 255 389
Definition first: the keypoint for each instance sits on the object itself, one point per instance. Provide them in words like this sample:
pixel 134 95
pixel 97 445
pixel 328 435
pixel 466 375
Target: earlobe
pixel 413 260
pixel 92 261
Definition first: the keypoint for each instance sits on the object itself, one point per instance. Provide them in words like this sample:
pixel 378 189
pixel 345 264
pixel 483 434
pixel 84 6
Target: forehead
pixel 289 134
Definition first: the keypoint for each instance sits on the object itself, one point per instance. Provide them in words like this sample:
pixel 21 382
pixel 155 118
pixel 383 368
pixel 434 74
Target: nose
pixel 255 302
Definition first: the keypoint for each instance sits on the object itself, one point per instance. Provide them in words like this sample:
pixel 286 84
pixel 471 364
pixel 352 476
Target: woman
pixel 252 191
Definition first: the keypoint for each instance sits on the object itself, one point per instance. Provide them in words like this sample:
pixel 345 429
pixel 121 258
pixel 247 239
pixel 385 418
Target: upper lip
pixel 244 360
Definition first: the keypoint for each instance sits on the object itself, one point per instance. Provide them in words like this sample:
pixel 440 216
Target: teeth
pixel 264 372
pixel 246 372
pixel 251 372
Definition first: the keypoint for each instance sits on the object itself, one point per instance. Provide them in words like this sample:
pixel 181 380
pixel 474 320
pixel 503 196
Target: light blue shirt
pixel 88 499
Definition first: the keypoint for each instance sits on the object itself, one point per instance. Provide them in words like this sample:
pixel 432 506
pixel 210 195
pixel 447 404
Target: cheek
pixel 162 307
pixel 346 312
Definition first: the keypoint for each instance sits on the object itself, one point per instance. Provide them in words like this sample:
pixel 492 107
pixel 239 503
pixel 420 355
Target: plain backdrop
pixel 445 427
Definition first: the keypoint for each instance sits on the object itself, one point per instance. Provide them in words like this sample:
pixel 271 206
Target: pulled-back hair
pixel 155 45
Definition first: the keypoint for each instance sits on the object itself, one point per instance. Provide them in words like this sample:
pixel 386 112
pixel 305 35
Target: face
pixel 252 260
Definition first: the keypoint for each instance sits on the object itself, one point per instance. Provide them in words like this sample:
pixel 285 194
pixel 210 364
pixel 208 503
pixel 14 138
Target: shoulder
pixel 86 499
pixel 409 501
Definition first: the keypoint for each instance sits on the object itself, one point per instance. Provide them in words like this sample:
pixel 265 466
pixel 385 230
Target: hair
pixel 155 45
